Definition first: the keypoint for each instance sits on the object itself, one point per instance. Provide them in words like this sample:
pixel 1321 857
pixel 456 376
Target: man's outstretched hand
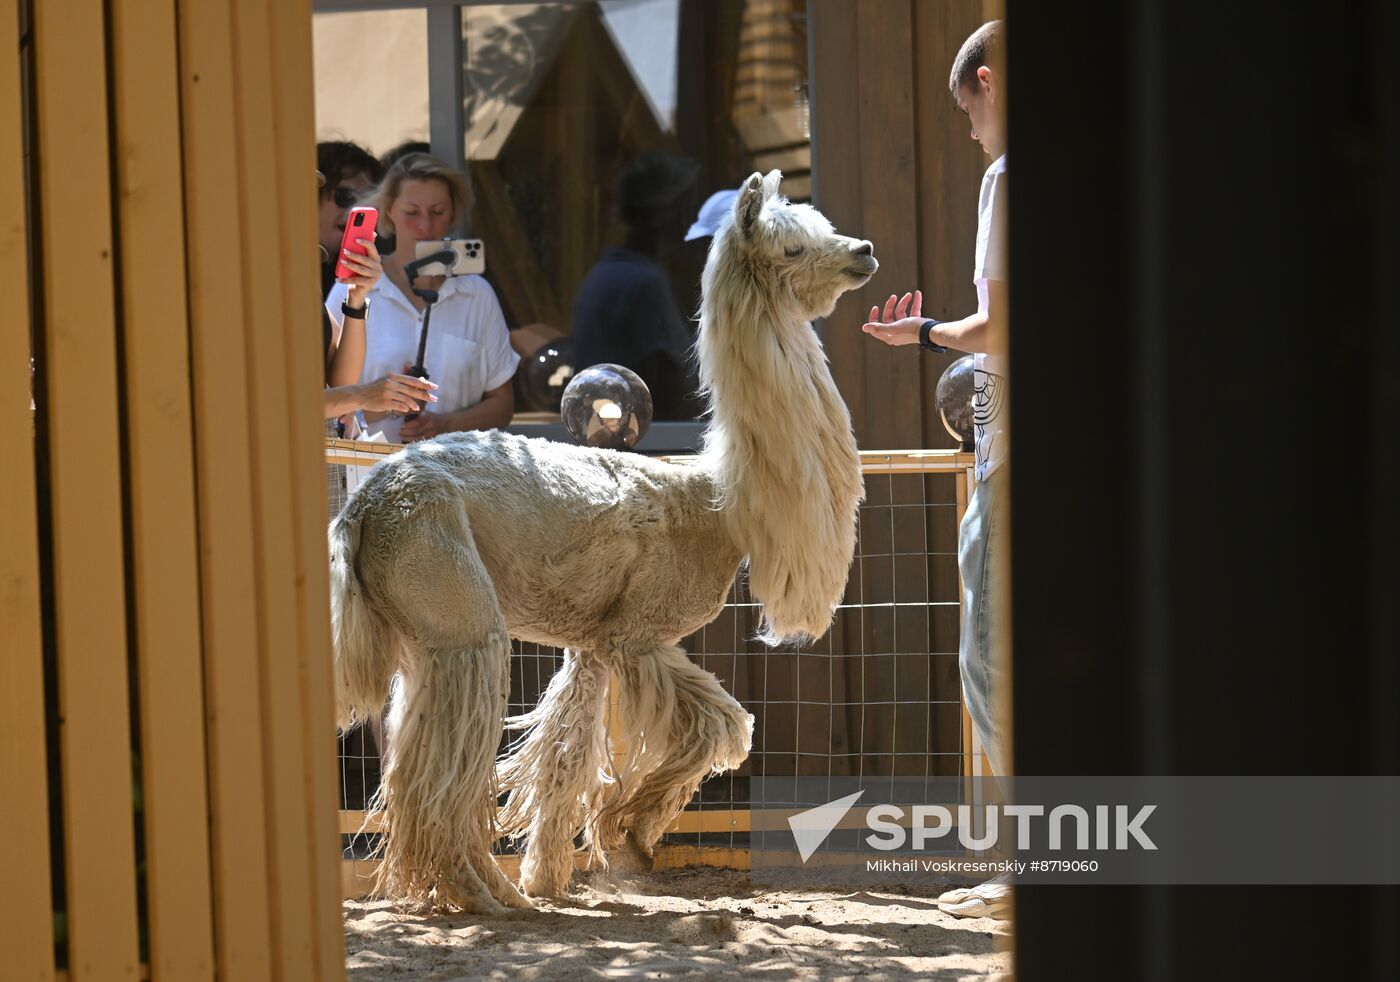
pixel 900 321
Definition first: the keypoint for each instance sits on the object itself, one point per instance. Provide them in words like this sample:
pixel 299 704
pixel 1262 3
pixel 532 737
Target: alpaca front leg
pixel 437 795
pixel 681 727
pixel 556 771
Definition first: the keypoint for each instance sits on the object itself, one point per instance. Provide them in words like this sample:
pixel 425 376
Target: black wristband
pixel 355 313
pixel 924 341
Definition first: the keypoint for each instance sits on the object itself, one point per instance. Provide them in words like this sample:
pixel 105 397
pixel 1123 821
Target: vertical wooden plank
pixel 950 166
pixel 219 302
pixel 294 122
pixel 272 429
pixel 889 189
pixel 82 421
pixel 160 462
pixel 963 487
pixel 834 70
pixel 26 903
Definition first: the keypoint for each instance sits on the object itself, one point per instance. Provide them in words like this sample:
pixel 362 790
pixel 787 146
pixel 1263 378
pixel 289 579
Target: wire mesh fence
pixel 878 695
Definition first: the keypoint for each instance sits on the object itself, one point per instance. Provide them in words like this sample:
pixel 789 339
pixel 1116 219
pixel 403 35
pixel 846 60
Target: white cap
pixel 711 212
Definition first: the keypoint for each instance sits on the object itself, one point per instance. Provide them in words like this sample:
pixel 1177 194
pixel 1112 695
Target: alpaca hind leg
pixel 681 727
pixel 555 772
pixel 437 795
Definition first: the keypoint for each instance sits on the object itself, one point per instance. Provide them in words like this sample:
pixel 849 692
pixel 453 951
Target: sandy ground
pixel 704 923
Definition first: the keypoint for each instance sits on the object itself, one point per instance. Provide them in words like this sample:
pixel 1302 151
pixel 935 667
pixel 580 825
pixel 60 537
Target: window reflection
pixel 559 101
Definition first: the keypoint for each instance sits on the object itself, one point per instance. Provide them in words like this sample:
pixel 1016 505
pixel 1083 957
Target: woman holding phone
pixel 468 354
pixel 344 341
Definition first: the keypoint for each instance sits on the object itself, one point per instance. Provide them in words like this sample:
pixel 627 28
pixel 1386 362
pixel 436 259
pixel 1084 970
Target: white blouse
pixel 468 349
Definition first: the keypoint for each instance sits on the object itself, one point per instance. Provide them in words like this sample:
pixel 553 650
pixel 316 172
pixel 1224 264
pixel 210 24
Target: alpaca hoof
pixel 519 901
pixel 631 857
pixel 646 853
pixel 471 898
pixel 542 886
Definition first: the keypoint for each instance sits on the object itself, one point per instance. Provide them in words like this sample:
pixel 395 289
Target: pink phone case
pixel 366 218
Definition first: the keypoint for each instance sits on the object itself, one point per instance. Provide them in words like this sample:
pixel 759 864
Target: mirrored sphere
pixel 954 400
pixel 606 406
pixel 545 374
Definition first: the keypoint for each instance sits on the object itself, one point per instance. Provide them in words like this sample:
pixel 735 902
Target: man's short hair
pixel 982 48
pixel 339 159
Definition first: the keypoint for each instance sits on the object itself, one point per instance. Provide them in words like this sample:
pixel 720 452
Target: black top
pixel 326 331
pixel 626 314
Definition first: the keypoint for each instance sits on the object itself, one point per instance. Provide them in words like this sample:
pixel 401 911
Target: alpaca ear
pixel 770 183
pixel 750 203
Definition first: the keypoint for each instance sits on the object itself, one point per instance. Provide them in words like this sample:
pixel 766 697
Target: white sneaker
pixel 989 899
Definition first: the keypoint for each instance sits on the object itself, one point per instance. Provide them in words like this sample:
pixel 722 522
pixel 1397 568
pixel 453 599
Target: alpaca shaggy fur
pixel 453 546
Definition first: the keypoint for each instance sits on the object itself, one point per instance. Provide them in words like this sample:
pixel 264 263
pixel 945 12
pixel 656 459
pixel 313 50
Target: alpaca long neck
pixel 784 459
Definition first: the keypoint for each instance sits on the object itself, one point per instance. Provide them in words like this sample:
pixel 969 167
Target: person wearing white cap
pixel 716 206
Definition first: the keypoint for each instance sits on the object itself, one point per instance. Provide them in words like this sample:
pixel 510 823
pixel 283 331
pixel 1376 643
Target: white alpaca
pixel 453 546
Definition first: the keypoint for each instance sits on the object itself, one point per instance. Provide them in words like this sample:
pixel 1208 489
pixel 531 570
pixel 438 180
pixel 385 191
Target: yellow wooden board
pixel 26 903
pixel 284 758
pixel 163 533
pixel 217 240
pixel 80 418
pixel 357 875
pixel 290 47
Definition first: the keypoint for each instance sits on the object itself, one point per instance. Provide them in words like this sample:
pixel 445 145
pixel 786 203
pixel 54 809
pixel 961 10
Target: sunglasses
pixel 343 197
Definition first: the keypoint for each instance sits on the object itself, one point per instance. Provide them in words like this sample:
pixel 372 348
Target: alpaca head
pixel 791 251
pixel 786 467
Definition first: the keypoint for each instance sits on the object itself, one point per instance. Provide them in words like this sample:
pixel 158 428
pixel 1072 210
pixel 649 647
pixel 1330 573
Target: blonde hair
pixel 420 167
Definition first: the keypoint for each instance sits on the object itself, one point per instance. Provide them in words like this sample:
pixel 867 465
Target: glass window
pixel 593 133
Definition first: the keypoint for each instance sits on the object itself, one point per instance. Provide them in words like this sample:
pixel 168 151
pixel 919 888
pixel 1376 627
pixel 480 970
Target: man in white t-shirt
pixel 978 84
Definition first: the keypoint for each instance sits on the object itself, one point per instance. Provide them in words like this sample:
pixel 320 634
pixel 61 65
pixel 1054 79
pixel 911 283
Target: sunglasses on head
pixel 343 197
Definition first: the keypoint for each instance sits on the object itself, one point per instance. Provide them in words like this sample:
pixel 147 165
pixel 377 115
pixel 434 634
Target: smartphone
pixel 359 224
pixel 471 256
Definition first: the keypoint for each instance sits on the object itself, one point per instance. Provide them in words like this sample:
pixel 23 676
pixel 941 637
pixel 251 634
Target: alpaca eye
pixel 793 253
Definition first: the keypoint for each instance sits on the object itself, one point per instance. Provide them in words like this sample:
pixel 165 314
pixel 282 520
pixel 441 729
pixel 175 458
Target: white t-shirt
pixel 468 349
pixel 989 375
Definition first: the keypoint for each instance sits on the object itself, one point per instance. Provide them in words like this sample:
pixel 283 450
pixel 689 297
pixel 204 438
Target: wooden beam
pixel 81 420
pixel 216 232
pixel 949 173
pixel 713 820
pixel 833 74
pixel 268 410
pixel 291 46
pixel 163 544
pixel 357 875
pixel 26 903
pixel 889 196
pixel 366 453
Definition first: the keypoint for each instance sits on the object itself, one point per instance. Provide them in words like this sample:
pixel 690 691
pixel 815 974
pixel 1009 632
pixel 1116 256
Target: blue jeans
pixel 982 654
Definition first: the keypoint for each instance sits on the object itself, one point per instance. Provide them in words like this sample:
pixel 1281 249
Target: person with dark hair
pixel 978 84
pixel 350 170
pixel 405 148
pixel 625 312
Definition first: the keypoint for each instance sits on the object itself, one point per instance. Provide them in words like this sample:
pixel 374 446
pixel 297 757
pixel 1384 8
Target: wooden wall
pixel 172 595
pixel 893 163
